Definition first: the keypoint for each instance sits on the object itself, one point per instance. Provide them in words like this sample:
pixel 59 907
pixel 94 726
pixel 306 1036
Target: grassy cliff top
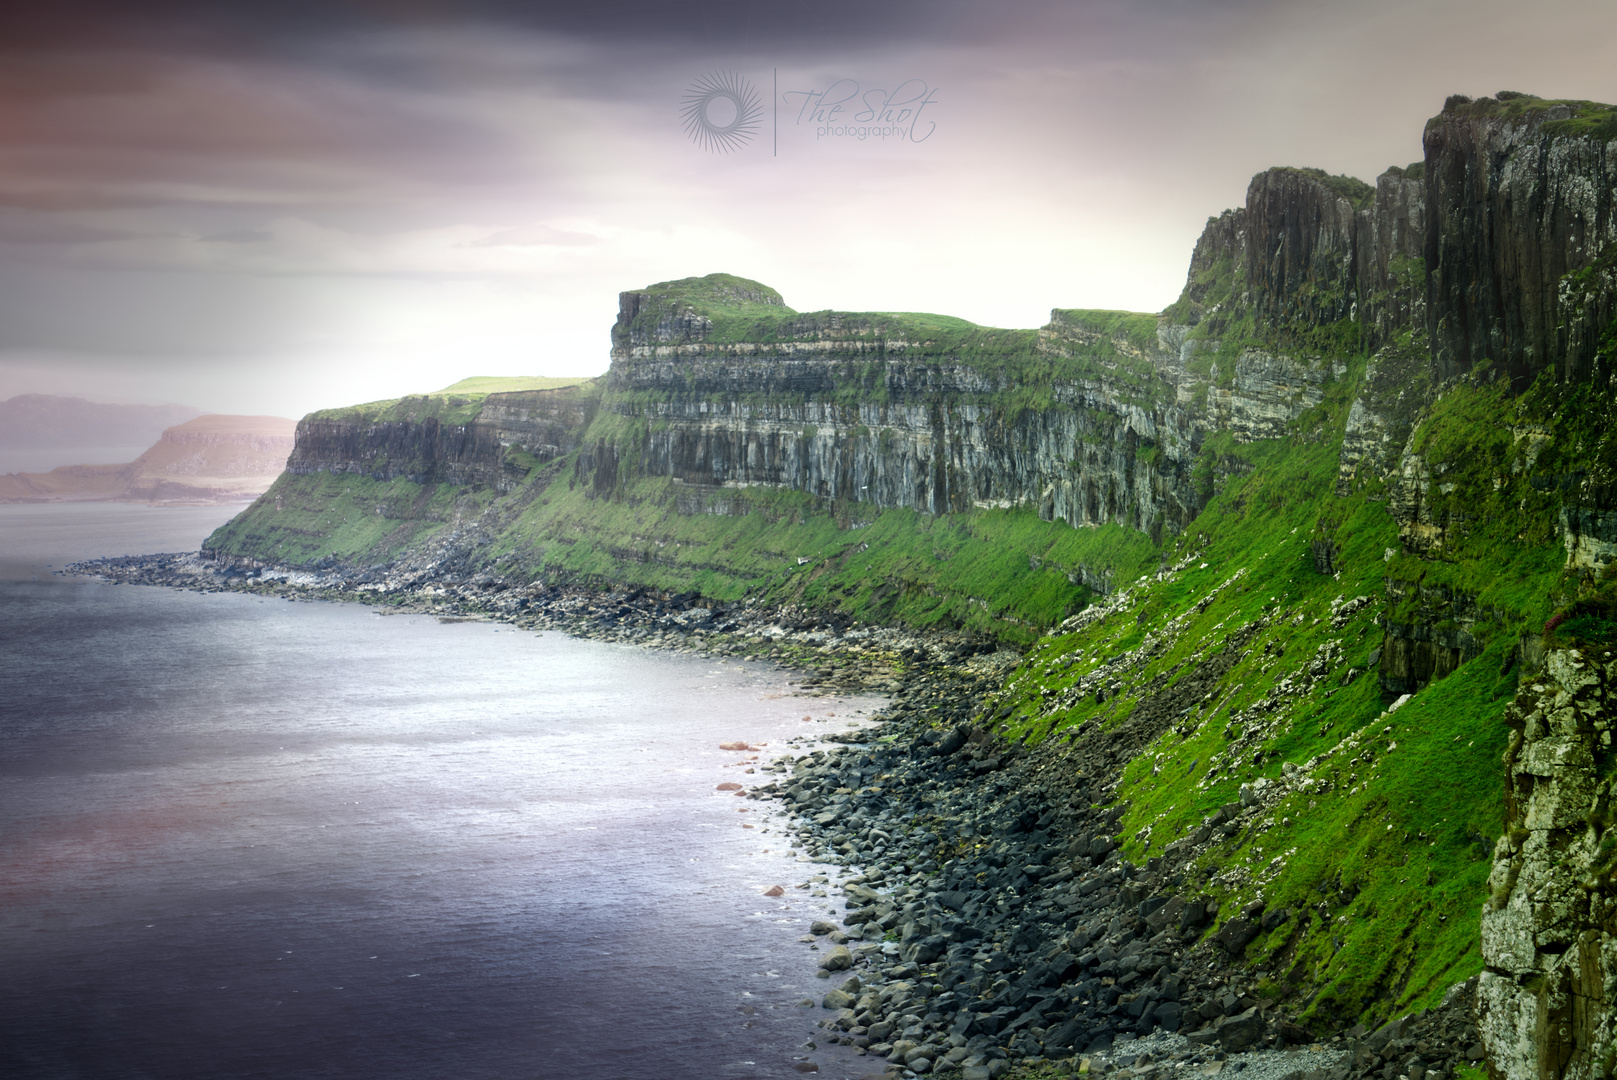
pixel 219 424
pixel 1588 119
pixel 718 294
pixel 448 406
pixel 1138 328
pixel 722 309
pixel 505 384
pixel 1355 191
pixel 738 310
pixel 732 304
pixel 944 332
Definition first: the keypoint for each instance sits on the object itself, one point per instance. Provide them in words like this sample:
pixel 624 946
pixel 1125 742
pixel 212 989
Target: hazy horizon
pixel 268 209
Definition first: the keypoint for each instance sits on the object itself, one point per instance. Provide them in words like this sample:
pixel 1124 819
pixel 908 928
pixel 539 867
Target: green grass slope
pixel 1383 862
pixel 1004 573
pixel 321 519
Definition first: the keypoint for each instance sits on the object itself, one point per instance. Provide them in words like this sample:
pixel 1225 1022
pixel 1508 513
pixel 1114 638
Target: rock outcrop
pixel 1547 1002
pixel 1521 196
pixel 1308 250
pixel 900 423
pixel 488 440
pixel 843 406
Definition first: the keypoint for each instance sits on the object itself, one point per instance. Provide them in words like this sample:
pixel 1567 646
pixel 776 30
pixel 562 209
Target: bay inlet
pixel 246 837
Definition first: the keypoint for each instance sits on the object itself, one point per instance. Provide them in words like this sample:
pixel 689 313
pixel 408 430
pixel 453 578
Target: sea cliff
pixel 1282 558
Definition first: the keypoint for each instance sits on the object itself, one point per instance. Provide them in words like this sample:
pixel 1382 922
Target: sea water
pixel 247 837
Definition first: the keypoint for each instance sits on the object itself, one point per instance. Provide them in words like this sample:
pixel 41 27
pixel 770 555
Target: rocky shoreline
pixel 992 926
pixel 834 654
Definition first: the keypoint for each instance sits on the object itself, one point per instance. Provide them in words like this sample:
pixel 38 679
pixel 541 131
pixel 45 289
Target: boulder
pixel 953 741
pixel 1294 1034
pixel 1235 934
pixel 1240 1031
pixel 838 959
pixel 926 1050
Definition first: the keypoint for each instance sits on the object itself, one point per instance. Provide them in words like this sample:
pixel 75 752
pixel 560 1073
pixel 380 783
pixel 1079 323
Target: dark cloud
pixel 688 27
pixel 71 24
pixel 296 186
pixel 143 128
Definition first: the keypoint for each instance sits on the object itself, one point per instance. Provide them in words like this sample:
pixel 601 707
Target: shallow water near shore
pixel 246 837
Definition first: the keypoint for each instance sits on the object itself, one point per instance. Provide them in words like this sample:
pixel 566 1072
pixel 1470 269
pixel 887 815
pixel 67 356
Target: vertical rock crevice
pixel 1545 1002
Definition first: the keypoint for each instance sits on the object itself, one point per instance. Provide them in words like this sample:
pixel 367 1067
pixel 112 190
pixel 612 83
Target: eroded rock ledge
pixel 1549 930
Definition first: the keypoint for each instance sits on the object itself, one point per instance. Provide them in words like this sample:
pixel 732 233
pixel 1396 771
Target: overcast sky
pixel 272 208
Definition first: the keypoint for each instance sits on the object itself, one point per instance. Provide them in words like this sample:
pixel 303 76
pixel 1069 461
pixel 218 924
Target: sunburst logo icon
pixel 721 112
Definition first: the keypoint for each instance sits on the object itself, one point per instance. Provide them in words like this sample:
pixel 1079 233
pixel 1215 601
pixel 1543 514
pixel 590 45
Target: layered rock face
pixel 835 408
pixel 221 446
pixel 1547 1002
pixel 1446 631
pixel 425 440
pixel 1518 202
pixel 846 418
pixel 1308 250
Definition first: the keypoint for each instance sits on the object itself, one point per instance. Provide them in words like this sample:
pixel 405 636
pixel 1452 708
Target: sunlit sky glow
pixel 273 208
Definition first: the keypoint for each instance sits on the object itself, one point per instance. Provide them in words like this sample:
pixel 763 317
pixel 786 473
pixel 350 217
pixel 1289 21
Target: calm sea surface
pixel 243 837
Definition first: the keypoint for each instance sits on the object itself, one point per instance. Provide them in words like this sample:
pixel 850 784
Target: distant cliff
pixel 209 459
